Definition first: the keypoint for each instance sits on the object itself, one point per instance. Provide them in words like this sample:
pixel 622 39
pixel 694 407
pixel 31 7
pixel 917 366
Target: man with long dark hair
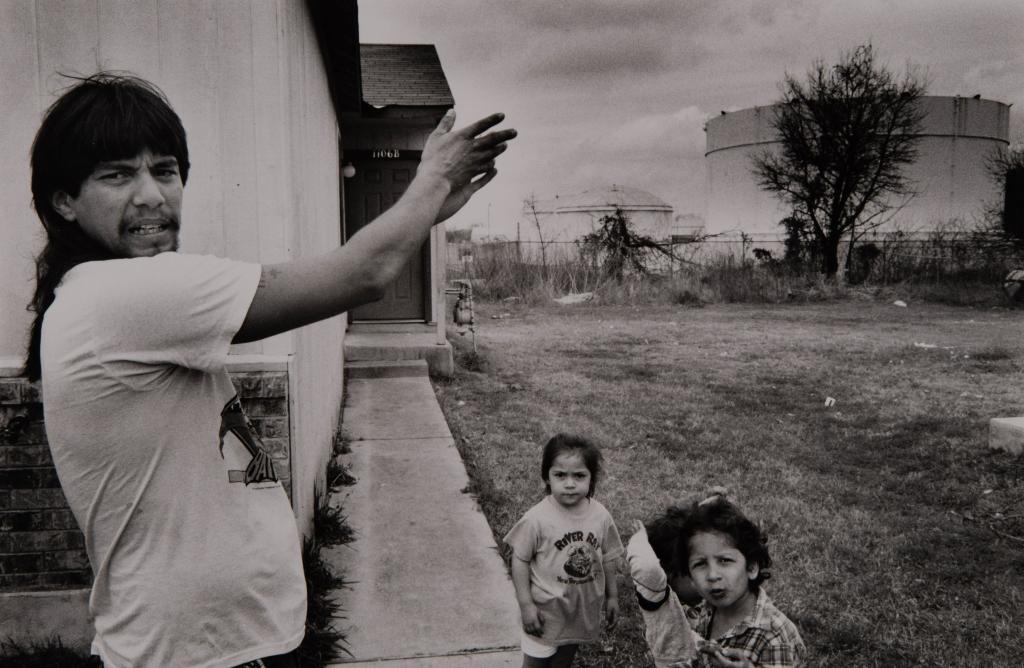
pixel 192 542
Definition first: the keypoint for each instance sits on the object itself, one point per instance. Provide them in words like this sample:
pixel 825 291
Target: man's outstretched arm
pixel 455 164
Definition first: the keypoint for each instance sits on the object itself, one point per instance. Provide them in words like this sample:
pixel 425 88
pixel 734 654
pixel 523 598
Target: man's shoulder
pixel 130 272
pixel 167 259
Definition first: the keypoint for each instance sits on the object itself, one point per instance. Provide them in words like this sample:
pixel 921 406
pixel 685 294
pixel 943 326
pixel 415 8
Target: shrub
pixel 952 264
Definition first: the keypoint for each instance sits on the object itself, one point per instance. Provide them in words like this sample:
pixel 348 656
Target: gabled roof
pixel 403 74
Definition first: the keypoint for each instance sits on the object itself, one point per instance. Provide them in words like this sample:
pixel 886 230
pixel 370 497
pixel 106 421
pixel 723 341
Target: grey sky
pixel 616 91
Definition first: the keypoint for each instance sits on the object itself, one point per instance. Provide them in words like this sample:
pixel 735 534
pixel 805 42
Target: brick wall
pixel 264 396
pixel 41 546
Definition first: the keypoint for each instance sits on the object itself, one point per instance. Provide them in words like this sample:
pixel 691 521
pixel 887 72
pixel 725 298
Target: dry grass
pixel 895 531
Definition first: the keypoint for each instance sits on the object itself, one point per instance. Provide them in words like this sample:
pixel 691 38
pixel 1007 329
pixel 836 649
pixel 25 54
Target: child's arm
pixel 667 629
pixel 611 592
pixel 649 579
pixel 533 622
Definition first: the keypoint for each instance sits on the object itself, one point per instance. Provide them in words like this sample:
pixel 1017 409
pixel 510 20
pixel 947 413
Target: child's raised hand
pixel 533 621
pixel 638 527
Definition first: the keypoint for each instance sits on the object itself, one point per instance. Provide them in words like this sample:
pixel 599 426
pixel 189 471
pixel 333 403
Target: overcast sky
pixel 616 91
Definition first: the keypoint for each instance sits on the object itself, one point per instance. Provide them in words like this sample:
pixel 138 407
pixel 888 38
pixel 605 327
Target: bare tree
pixel 530 209
pixel 845 136
pixel 622 247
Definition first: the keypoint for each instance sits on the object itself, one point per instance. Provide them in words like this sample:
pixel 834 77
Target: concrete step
pixel 387 369
pixel 1006 434
pixel 394 346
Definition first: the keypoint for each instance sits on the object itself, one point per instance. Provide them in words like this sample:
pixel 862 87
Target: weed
pixel 323 643
pixel 44 654
pixel 468 357
pixel 472 360
pixel 953 264
pixel 339 475
pixel 685 297
pixel 994 354
pixel 342 444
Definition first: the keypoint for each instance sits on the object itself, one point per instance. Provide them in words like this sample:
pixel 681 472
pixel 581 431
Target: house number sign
pixel 385 153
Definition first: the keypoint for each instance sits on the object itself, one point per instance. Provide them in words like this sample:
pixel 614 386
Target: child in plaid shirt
pixel 727 559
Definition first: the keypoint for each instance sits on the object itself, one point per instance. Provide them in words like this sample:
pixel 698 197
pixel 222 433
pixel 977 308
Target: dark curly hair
pixel 720 515
pixel 106 116
pixel 560 444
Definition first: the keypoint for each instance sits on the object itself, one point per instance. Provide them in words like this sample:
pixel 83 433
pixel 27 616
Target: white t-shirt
pixel 192 541
pixel 568 551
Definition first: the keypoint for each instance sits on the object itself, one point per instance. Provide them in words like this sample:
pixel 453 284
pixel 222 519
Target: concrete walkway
pixel 428 586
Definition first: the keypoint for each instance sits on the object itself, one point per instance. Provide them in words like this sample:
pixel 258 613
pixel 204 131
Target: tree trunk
pixel 830 258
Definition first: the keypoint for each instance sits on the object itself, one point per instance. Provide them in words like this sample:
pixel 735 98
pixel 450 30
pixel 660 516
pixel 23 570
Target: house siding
pixel 248 82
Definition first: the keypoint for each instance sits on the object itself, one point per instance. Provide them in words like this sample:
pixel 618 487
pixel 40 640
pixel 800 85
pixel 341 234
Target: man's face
pixel 132 207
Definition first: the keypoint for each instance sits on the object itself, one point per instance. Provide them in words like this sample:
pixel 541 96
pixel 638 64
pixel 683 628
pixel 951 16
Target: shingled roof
pixel 403 74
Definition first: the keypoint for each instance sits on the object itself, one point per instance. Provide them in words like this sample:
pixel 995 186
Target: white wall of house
pixel 249 84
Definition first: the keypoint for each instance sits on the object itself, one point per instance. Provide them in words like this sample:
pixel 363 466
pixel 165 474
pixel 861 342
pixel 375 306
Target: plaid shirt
pixel 767 637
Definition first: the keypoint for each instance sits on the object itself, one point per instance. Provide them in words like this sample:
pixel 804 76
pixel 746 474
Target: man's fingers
pixel 483 180
pixel 495 139
pixel 484 157
pixel 446 124
pixel 474 129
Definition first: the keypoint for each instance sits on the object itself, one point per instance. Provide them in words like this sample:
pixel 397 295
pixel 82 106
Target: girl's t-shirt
pixel 567 550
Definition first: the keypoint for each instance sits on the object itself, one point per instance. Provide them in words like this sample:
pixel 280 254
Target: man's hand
pixel 533 621
pixel 464 158
pixel 304 290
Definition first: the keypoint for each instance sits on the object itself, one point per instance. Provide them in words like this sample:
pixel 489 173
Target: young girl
pixel 563 557
pixel 727 559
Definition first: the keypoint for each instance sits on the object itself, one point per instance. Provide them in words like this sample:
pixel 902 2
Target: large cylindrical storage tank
pixel 572 217
pixel 949 175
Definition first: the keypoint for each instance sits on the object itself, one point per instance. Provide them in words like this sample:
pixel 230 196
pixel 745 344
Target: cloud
pixel 621 15
pixel 616 91
pixel 597 54
pixel 679 132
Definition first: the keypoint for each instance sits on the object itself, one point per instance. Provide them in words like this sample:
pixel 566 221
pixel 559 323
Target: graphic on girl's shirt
pixel 579 562
pixel 247 459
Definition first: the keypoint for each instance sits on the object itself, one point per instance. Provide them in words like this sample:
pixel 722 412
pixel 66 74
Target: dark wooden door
pixel 375 186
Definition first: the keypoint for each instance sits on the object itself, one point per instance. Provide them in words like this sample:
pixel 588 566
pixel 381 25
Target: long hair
pixel 106 116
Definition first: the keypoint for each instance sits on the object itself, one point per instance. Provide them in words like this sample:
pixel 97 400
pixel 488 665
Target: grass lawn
pixel 898 537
